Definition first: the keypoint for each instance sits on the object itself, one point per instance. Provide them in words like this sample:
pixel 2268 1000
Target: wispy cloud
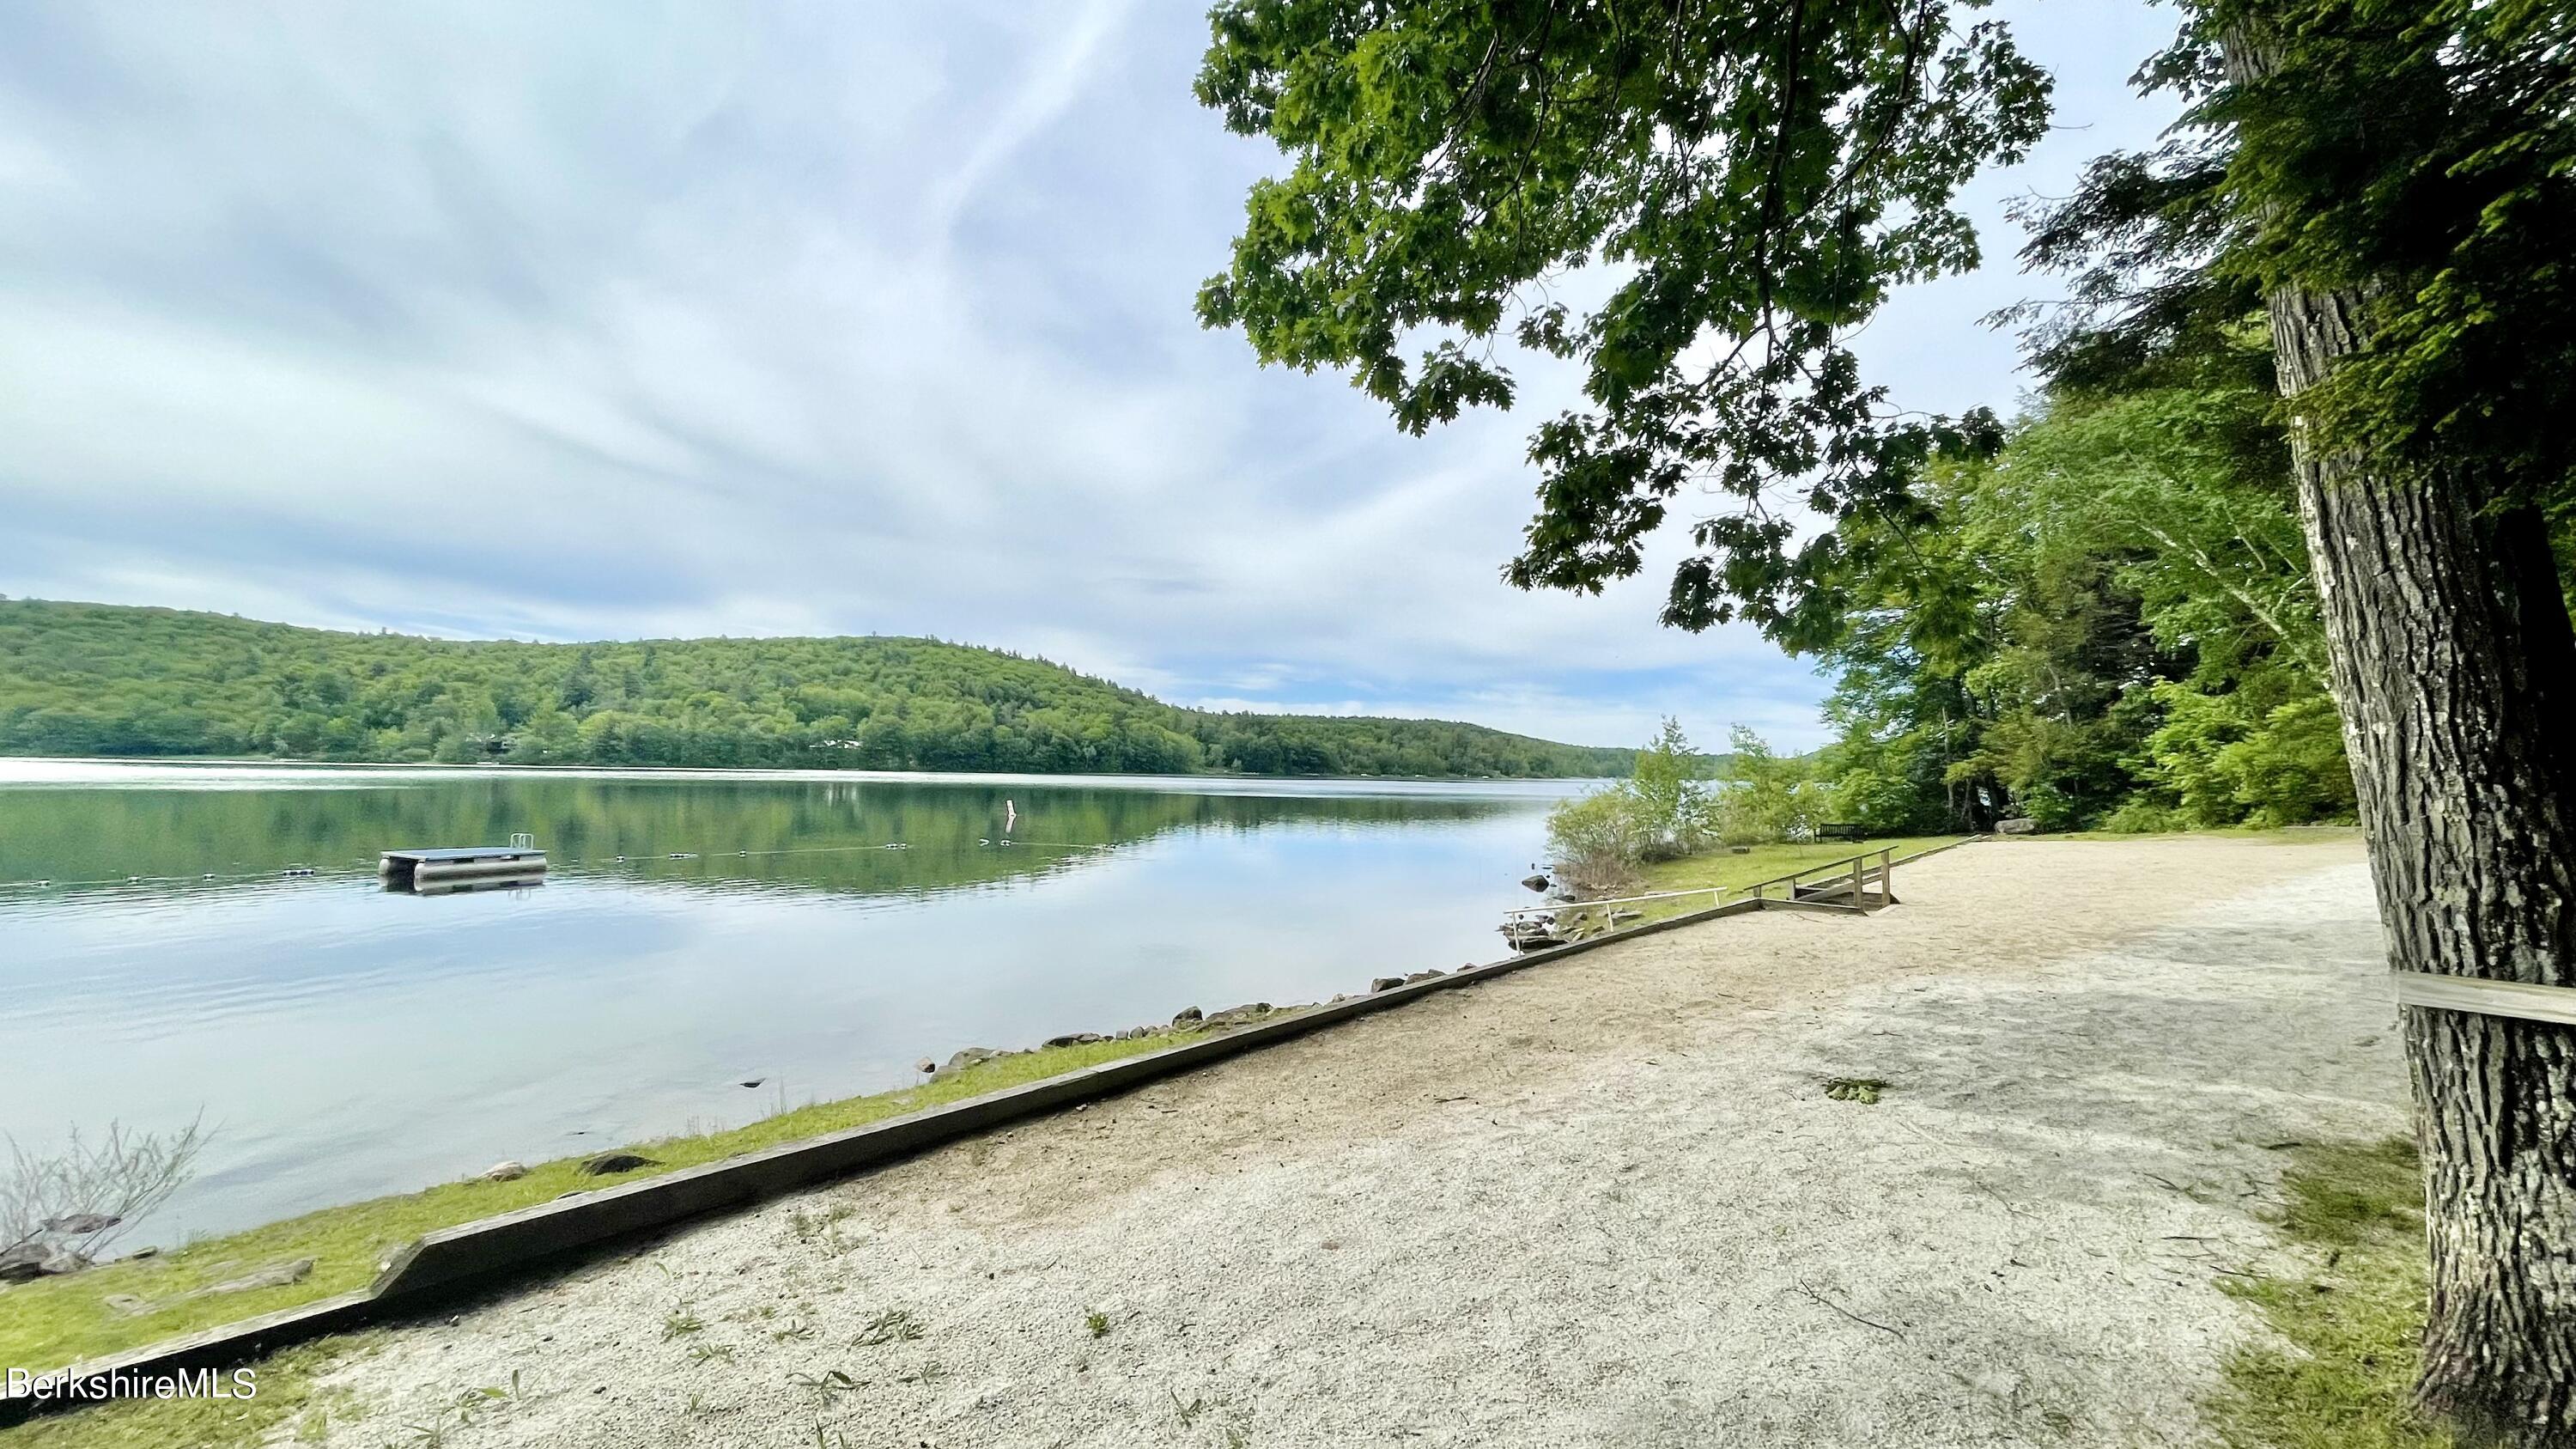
pixel 573 320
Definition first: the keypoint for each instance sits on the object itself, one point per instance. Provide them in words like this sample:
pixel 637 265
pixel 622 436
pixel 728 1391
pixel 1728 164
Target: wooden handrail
pixel 1834 866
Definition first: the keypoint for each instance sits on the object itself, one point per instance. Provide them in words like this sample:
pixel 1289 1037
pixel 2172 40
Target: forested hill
pixel 102 679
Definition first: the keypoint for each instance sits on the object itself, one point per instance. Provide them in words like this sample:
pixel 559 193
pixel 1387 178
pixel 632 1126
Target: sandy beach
pixel 1603 1202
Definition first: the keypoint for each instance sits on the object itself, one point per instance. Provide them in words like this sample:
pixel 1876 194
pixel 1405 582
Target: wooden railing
pixel 1864 881
pixel 1851 876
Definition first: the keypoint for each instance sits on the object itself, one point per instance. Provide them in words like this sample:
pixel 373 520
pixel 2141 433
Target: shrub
pixel 1596 842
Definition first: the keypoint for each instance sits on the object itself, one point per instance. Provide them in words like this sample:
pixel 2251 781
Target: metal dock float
pixel 463 867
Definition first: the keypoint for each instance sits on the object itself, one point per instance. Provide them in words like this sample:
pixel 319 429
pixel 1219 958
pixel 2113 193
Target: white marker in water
pixel 1010 814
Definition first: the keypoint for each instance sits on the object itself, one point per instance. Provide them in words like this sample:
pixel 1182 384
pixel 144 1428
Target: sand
pixel 1602 1202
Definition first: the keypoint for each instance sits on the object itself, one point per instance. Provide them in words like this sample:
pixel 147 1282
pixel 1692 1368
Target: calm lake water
pixel 345 1041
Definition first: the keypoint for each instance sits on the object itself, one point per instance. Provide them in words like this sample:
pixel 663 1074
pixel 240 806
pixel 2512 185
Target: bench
pixel 1841 832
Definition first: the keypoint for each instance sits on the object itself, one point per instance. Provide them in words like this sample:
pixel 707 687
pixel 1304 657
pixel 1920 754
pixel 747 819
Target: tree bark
pixel 2454 663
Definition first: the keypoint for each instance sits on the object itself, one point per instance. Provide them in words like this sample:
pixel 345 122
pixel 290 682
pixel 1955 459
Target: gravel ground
pixel 1604 1202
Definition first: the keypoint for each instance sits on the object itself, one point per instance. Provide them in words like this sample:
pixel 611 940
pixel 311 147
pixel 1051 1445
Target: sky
pixel 616 320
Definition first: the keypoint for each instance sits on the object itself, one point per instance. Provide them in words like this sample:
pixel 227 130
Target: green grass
pixel 289 1408
pixel 56 1321
pixel 1722 867
pixel 2342 1374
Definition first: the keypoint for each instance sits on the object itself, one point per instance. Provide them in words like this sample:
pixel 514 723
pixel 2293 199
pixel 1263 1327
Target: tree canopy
pixel 1747 182
pixel 98 679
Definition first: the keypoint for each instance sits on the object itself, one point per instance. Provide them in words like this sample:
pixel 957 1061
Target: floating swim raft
pixel 461 867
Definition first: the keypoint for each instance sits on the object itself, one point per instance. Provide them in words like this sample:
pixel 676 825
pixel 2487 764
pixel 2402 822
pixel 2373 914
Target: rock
pixel 1077 1038
pixel 2017 826
pixel 150 1250
pixel 1238 1015
pixel 1535 882
pixel 29 1261
pixel 276 1275
pixel 925 1065
pixel 960 1061
pixel 609 1164
pixel 1188 1014
pixel 504 1172
pixel 81 1225
pixel 1385 983
pixel 1423 976
pixel 754 1082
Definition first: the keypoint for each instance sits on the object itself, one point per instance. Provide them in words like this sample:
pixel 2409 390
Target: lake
pixel 345 1041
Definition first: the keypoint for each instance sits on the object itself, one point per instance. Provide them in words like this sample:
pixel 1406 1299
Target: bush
pixel 2141 816
pixel 1662 811
pixel 1596 842
pixel 2224 764
pixel 2293 769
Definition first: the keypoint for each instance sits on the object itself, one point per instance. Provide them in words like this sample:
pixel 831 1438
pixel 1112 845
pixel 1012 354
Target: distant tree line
pixel 98 679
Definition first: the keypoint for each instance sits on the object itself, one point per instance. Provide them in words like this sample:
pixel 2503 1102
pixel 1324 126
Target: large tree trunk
pixel 2454 663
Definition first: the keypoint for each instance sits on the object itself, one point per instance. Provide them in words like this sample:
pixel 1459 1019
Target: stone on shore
pixel 970 1056
pixel 609 1164
pixel 284 1274
pixel 1188 1014
pixel 38 1260
pixel 504 1172
pixel 1385 983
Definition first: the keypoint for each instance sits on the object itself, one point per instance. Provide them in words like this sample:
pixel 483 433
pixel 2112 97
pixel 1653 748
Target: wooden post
pixel 1860 878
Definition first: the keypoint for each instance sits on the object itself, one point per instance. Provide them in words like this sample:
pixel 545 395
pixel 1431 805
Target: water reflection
pixel 348 1041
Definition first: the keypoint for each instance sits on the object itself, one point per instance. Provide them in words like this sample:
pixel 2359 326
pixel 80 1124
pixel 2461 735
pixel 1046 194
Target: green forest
pixel 101 679
pixel 2104 615
pixel 2108 623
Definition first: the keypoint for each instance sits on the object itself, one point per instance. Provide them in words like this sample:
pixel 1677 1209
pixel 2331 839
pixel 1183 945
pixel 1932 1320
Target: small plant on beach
pixel 1863 1090
pixel 702 1354
pixel 826 1384
pixel 680 1322
pixel 1097 1322
pixel 895 1325
pixel 495 1393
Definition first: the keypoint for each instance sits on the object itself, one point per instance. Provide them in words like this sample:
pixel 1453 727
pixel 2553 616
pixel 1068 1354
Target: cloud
pixel 578 320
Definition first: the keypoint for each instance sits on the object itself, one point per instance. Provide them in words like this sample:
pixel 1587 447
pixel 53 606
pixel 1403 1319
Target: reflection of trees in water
pixel 818 835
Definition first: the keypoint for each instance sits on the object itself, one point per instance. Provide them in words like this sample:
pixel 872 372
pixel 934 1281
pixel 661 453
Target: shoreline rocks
pixel 609 1164
pixel 276 1275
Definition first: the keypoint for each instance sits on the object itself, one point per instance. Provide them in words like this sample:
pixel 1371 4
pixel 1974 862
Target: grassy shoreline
pixel 57 1321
